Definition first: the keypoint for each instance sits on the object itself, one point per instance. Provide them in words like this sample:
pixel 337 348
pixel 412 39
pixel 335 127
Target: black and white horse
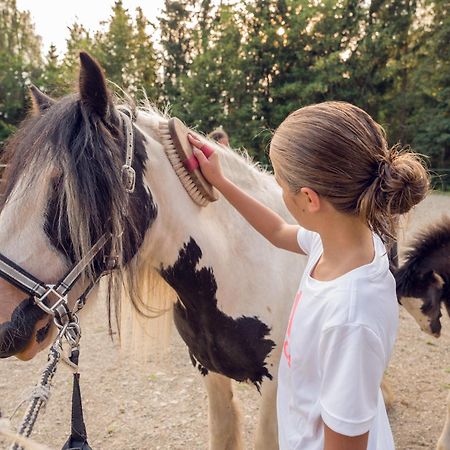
pixel 423 280
pixel 423 287
pixel 231 290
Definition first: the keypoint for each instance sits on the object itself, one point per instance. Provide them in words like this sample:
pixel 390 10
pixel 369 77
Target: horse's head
pixel 63 192
pixel 423 281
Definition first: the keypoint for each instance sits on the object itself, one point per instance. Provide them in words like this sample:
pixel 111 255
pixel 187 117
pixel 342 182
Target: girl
pixel 346 189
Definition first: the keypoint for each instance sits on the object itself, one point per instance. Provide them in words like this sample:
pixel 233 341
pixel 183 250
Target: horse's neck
pixel 179 218
pixel 250 178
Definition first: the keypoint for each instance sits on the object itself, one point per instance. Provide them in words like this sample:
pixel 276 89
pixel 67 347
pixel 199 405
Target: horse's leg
pixel 224 414
pixel 267 431
pixel 444 440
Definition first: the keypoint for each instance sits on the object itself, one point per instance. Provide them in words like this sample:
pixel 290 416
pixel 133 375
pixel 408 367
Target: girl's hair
pixel 218 134
pixel 340 152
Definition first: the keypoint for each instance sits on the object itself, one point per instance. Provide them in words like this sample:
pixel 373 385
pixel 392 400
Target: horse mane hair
pixel 428 242
pixel 423 256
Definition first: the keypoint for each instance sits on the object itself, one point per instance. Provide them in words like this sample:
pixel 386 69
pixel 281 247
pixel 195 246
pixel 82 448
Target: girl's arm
pixel 263 219
pixel 336 441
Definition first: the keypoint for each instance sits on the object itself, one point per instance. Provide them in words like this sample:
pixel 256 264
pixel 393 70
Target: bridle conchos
pixel 65 318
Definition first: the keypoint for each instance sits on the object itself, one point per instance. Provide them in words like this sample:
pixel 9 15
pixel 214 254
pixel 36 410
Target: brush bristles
pixel 178 166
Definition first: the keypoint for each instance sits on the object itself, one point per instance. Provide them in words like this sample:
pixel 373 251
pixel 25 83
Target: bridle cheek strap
pixel 39 290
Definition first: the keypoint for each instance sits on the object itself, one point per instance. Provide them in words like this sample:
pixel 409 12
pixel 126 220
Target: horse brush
pixel 174 137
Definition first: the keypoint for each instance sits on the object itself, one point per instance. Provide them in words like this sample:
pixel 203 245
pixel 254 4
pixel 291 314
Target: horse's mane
pixel 428 243
pixel 237 163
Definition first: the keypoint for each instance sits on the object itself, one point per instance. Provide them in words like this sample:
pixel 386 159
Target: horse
pixel 230 291
pixel 423 280
pixel 423 287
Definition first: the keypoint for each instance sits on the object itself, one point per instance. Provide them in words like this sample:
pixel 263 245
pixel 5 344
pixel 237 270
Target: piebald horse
pixel 423 287
pixel 231 290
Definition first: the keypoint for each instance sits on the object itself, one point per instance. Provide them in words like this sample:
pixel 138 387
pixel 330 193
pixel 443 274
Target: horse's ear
pixel 40 101
pixel 93 91
pixel 438 280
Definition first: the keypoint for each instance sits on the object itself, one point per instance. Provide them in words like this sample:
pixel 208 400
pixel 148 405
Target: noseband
pixel 66 319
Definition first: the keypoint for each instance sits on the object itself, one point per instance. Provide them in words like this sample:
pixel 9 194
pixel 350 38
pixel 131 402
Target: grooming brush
pixel 178 149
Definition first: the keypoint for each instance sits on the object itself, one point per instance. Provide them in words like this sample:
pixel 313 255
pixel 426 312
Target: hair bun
pixel 403 181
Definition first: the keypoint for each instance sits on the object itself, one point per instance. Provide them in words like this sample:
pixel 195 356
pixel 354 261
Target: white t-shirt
pixel 338 343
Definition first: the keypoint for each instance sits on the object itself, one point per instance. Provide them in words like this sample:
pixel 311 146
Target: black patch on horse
pixel 236 348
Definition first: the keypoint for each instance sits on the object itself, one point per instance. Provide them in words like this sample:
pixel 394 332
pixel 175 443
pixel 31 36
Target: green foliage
pixel 20 61
pixel 246 65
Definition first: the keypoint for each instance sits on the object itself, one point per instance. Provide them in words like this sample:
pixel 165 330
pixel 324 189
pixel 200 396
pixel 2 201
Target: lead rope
pixel 40 395
pixel 69 328
pixel 78 435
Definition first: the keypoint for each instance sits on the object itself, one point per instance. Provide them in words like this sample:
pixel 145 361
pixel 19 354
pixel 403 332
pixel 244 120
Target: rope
pixel 39 396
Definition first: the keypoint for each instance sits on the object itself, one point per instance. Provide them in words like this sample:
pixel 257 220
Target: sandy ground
pixel 163 405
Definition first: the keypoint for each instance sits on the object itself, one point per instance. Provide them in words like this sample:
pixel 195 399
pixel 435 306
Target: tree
pixel 20 61
pixel 177 49
pixel 52 79
pixel 145 64
pixel 116 45
pixel 429 121
pixel 79 40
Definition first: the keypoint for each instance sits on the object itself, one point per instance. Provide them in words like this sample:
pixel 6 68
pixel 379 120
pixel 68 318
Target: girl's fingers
pixel 201 158
pixel 194 141
pixel 207 151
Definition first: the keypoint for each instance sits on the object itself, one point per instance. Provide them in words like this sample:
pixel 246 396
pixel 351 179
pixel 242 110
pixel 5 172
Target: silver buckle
pixel 128 178
pixel 62 300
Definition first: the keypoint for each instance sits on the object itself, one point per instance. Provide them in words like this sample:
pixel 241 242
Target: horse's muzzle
pixel 16 334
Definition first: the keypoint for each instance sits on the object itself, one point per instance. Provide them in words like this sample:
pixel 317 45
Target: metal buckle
pixel 110 262
pixel 128 178
pixel 62 300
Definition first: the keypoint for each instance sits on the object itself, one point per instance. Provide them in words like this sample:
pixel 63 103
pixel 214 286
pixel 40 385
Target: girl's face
pixel 292 201
pixel 302 205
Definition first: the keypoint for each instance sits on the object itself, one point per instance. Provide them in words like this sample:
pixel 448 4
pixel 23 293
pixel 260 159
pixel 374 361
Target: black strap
pixel 20 278
pixel 78 436
pixel 34 287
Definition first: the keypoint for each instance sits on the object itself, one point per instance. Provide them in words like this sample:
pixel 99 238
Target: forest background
pixel 245 65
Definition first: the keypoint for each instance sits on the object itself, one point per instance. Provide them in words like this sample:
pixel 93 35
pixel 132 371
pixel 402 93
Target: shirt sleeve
pixel 305 239
pixel 352 362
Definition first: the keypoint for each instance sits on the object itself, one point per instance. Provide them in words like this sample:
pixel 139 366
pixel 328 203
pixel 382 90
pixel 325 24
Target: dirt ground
pixel 163 405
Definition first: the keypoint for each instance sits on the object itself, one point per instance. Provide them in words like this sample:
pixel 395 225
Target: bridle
pixel 64 317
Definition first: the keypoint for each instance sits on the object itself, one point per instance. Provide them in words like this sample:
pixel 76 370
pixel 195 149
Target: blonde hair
pixel 340 152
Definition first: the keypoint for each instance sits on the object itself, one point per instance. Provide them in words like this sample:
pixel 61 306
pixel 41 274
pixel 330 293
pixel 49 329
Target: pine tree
pixel 79 40
pixel 52 79
pixel 145 60
pixel 115 47
pixel 20 61
pixel 177 42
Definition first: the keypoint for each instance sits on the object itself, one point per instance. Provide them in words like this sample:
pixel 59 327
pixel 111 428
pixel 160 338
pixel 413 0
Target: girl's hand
pixel 210 166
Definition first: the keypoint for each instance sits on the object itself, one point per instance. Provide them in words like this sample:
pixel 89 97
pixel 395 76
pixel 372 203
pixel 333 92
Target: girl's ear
pixel 313 199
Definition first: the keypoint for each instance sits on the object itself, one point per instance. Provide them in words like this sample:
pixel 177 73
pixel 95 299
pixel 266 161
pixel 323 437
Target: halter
pixel 65 319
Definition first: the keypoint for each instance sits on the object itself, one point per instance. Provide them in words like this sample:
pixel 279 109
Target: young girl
pixel 345 188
